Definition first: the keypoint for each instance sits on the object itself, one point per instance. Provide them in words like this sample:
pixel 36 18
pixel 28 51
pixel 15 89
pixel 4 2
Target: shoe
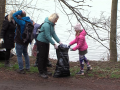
pixel 43 76
pixel 89 68
pixel 35 65
pixel 8 65
pixel 21 71
pixel 49 65
pixel 81 72
pixel 27 70
pixel 48 73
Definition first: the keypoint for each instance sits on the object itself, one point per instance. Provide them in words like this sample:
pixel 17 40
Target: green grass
pixel 90 75
pixel 15 67
pixel 1 65
pixel 100 70
pixel 33 69
pixel 114 76
pixel 74 70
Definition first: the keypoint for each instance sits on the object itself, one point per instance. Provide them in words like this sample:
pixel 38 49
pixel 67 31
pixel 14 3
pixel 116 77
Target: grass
pixel 1 65
pixel 74 70
pixel 15 67
pixel 100 69
pixel 33 70
pixel 105 72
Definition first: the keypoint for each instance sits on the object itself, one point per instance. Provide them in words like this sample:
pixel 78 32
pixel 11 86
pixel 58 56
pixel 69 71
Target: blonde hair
pixel 78 29
pixel 10 15
pixel 53 17
pixel 77 33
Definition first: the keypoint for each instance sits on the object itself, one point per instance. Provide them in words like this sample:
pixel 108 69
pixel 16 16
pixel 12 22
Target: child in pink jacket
pixel 82 47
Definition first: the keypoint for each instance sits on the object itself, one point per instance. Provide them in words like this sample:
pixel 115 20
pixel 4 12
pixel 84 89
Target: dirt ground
pixel 11 80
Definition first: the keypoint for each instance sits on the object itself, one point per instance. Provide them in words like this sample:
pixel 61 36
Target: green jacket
pixel 47 32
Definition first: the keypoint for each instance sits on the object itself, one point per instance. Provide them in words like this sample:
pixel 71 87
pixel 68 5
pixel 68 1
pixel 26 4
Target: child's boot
pixel 81 72
pixel 89 68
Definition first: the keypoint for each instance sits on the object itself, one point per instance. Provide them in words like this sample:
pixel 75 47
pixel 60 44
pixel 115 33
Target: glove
pixel 1 40
pixel 71 49
pixel 60 43
pixel 55 46
pixel 69 46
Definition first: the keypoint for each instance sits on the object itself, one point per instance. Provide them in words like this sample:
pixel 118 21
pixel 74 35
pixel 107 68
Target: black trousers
pixel 7 56
pixel 37 57
pixel 43 50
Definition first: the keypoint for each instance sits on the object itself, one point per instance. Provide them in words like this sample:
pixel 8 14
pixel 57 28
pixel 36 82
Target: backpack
pixel 27 35
pixel 38 30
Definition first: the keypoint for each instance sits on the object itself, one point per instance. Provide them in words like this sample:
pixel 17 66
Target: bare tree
pixel 94 24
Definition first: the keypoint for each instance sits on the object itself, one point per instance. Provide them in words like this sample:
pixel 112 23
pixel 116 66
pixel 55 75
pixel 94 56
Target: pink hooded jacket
pixel 81 42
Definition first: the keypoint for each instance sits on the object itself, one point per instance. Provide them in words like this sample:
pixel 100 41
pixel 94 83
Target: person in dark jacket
pixel 21 47
pixel 43 40
pixel 7 33
pixel 34 51
pixel 35 30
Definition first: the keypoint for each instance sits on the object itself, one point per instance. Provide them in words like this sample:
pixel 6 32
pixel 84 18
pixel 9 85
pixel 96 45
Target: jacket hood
pixel 26 19
pixel 83 33
pixel 47 20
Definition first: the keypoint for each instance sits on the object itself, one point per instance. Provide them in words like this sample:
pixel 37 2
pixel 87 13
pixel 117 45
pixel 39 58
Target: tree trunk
pixel 2 12
pixel 113 47
pixel 2 15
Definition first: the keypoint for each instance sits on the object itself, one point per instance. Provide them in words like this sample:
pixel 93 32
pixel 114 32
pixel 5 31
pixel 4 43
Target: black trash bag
pixel 2 55
pixel 62 66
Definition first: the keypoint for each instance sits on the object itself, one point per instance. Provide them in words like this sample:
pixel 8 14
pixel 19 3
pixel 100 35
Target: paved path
pixel 57 84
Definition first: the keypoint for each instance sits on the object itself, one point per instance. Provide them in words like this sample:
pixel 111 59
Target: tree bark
pixel 113 31
pixel 2 15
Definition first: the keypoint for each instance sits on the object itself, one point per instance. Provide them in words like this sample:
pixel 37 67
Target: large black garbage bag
pixel 2 55
pixel 62 66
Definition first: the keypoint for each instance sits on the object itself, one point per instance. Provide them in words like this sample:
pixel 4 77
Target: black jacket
pixel 8 33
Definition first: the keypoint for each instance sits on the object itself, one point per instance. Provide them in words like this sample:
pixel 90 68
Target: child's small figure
pixel 82 47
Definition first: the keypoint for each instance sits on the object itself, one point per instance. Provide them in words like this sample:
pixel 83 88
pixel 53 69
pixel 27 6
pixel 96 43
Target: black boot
pixel 89 68
pixel 7 63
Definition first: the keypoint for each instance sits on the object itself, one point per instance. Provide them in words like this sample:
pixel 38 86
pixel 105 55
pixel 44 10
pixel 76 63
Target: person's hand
pixel 55 46
pixel 1 40
pixel 69 46
pixel 71 49
pixel 60 43
pixel 18 17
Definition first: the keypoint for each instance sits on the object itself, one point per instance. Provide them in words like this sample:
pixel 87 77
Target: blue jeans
pixel 21 49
